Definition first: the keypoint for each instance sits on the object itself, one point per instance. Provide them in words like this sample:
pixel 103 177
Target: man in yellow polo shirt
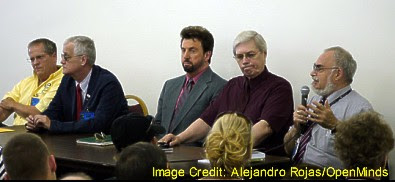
pixel 33 94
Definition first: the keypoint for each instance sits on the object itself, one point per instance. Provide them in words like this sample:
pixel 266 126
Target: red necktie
pixel 78 102
pixel 183 97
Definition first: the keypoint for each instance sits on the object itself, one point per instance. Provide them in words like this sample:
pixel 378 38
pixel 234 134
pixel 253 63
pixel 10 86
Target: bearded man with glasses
pixel 335 101
pixel 33 94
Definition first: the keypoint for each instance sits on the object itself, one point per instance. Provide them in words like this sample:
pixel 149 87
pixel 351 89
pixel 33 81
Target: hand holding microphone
pixel 300 116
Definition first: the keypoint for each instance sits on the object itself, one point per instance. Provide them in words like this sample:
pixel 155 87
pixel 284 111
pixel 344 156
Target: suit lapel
pixel 91 86
pixel 193 97
pixel 174 91
pixel 72 92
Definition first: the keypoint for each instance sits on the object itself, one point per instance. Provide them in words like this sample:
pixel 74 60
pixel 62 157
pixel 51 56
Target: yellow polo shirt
pixel 28 89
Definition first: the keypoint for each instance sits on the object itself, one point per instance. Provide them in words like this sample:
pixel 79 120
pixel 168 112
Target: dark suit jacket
pixel 105 98
pixel 204 91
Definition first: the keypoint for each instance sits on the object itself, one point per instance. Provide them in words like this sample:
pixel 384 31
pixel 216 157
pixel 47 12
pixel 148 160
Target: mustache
pixel 314 78
pixel 187 60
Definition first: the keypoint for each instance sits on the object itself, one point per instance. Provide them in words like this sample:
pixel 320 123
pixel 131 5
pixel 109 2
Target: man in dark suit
pixel 184 98
pixel 89 97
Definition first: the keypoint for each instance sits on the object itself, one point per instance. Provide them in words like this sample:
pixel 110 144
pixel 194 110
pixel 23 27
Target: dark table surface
pixel 100 159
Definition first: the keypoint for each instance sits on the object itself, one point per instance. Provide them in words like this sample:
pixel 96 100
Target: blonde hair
pixel 229 143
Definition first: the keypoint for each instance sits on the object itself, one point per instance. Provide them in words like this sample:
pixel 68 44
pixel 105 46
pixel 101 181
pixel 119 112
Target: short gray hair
pixel 345 61
pixel 246 36
pixel 83 46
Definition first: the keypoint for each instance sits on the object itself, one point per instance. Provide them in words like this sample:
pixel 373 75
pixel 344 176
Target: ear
pixel 207 55
pixel 338 74
pixel 52 163
pixel 264 54
pixel 84 60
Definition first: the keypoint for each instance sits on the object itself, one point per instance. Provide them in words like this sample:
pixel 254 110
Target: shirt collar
pixel 258 79
pixel 337 93
pixel 52 75
pixel 85 83
pixel 195 78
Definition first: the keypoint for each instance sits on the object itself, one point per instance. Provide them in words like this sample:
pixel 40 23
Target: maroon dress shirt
pixel 266 97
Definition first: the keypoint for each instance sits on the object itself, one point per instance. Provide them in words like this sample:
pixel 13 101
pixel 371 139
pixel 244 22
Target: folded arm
pixel 260 131
pixel 196 131
pixel 4 113
pixel 21 109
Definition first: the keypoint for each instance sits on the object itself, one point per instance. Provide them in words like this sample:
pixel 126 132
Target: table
pixel 98 161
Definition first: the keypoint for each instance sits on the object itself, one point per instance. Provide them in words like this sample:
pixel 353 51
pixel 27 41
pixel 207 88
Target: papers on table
pixel 256 157
pixel 93 141
pixel 3 130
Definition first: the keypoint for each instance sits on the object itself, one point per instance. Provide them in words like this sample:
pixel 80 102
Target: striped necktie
pixel 304 140
pixel 181 101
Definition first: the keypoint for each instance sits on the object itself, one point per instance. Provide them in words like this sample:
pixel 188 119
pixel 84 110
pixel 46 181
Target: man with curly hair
pixel 364 141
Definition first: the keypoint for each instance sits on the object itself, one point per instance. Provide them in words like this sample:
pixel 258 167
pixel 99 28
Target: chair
pixel 139 108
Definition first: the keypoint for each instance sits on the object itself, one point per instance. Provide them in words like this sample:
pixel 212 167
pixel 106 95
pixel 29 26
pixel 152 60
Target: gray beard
pixel 329 88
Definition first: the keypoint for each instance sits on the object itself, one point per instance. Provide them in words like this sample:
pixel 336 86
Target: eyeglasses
pixel 320 68
pixel 248 55
pixel 99 136
pixel 67 58
pixel 38 58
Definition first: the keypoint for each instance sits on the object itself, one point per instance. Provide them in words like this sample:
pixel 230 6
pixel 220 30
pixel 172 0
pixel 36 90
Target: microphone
pixel 305 93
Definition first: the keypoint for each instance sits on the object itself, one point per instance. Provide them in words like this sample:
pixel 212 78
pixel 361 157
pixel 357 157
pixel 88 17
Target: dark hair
pixel 49 46
pixel 132 128
pixel 364 140
pixel 138 160
pixel 201 34
pixel 26 157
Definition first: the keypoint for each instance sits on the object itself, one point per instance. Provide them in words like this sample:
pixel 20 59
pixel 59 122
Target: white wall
pixel 138 40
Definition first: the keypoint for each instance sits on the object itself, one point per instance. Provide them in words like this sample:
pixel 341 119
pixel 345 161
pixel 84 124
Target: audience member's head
pixel 76 176
pixel 26 157
pixel 138 160
pixel 229 143
pixel 364 140
pixel 133 128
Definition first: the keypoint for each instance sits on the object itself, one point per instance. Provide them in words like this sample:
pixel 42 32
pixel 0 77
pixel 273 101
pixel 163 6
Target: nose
pixel 245 60
pixel 185 55
pixel 62 61
pixel 34 61
pixel 313 73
